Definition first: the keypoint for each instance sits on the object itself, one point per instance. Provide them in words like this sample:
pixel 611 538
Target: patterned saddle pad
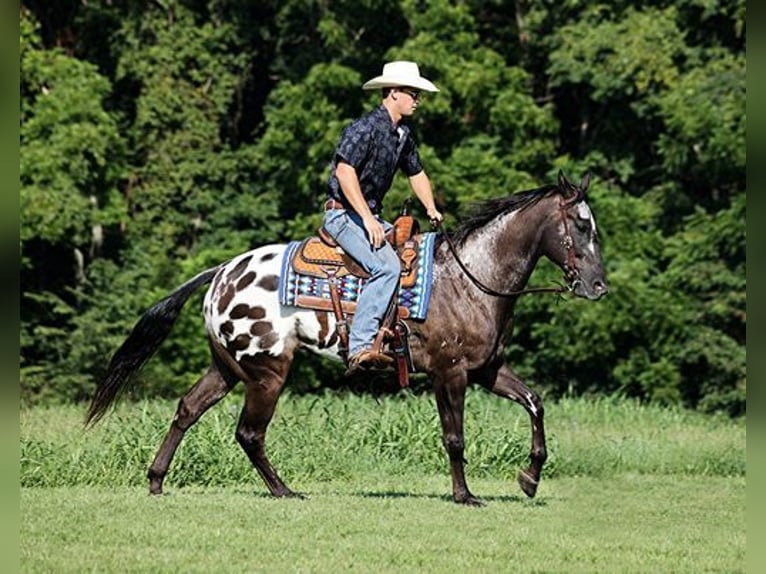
pixel 304 278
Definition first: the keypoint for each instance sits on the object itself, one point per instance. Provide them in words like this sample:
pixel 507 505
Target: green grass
pixel 628 488
pixel 344 436
pixel 629 523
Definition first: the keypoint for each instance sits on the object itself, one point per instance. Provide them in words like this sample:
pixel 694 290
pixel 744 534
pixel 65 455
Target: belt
pixel 333 204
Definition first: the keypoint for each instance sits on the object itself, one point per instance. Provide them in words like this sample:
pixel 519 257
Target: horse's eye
pixel 582 225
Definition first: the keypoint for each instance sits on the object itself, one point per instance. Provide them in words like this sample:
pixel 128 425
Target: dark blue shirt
pixel 375 147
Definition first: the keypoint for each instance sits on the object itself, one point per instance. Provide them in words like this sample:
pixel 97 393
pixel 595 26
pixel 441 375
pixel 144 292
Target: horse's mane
pixel 485 211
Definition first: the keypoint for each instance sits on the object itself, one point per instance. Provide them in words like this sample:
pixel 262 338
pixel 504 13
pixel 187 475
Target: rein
pixel 571 270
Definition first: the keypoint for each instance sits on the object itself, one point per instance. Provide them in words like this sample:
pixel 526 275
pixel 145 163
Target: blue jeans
pixel 383 266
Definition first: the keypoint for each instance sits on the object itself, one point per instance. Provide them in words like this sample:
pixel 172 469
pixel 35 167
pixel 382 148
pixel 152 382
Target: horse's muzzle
pixel 593 290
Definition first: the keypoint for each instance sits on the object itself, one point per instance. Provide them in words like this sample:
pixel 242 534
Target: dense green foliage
pixel 158 138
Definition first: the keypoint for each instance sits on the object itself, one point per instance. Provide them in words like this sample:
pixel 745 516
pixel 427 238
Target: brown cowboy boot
pixel 374 358
pixel 368 359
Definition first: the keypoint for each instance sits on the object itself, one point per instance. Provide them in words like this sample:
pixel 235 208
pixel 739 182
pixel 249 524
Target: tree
pixel 159 138
pixel 71 159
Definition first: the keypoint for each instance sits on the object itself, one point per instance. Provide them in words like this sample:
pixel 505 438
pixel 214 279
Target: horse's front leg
pixel 450 401
pixel 508 385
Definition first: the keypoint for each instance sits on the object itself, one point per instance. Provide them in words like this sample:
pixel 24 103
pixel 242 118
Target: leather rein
pixel 570 268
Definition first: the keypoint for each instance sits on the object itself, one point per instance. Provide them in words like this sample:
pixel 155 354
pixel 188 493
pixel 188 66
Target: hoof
pixel 528 484
pixel 469 500
pixel 155 481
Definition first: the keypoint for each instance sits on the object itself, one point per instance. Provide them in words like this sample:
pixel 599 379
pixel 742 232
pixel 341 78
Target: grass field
pixel 628 489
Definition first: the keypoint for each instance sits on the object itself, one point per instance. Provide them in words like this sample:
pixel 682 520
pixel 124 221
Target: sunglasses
pixel 415 95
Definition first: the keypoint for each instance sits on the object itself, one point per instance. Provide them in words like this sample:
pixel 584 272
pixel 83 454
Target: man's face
pixel 408 100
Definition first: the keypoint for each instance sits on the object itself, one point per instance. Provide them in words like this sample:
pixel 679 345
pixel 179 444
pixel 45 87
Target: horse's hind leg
pixel 510 386
pixel 263 386
pixel 208 390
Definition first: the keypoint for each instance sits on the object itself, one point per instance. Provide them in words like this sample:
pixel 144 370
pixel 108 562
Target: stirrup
pixel 368 359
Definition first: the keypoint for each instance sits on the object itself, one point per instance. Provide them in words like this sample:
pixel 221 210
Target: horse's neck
pixel 504 253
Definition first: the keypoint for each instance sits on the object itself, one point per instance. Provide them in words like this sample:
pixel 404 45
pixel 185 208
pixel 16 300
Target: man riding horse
pixel 479 273
pixel 369 152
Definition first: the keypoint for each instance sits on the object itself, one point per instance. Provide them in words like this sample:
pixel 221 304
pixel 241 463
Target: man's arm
pixel 349 185
pixel 421 186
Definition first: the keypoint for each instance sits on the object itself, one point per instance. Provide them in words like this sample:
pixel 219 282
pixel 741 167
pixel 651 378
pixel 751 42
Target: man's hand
pixel 375 231
pixel 421 185
pixel 435 217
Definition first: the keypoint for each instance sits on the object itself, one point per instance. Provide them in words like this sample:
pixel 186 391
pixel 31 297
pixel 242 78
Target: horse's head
pixel 574 244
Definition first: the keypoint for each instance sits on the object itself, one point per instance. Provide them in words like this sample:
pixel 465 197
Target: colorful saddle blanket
pixel 304 283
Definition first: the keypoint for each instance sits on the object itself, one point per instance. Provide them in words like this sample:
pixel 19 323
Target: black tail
pixel 148 334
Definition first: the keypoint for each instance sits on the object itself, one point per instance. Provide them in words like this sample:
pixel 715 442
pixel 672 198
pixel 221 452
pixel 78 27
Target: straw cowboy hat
pixel 404 74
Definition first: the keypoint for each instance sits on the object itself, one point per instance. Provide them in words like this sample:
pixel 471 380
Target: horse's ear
pixel 563 181
pixel 585 182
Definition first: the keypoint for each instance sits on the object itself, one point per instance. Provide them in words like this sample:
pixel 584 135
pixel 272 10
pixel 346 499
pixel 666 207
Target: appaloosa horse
pixel 477 276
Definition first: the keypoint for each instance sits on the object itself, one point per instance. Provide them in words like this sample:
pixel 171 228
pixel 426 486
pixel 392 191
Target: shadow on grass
pixel 382 494
pixel 447 498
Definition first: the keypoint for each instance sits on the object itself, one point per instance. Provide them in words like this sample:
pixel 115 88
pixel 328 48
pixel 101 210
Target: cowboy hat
pixel 400 73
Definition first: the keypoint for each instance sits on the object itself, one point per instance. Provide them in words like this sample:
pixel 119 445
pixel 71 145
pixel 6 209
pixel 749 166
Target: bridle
pixel 571 274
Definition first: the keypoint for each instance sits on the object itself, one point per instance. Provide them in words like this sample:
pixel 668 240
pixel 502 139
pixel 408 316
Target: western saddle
pixel 322 257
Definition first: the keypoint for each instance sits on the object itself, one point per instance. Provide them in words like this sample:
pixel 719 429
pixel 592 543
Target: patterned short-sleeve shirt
pixel 375 147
